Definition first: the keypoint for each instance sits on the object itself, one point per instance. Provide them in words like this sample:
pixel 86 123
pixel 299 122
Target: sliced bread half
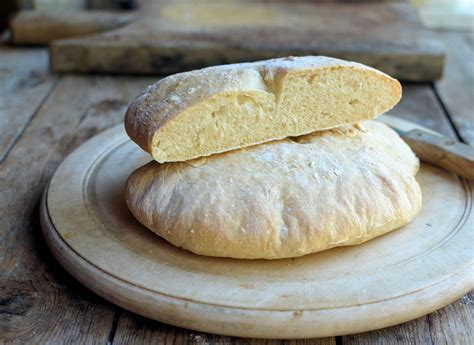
pixel 217 109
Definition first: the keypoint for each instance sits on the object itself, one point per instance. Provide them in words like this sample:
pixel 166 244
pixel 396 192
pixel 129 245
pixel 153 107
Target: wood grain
pixel 135 329
pixel 456 88
pixel 419 104
pixel 39 27
pixel 389 37
pixel 40 302
pixel 414 332
pixel 451 325
pixel 25 83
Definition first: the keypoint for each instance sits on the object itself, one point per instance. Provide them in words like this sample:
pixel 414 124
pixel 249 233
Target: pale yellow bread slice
pixel 284 198
pixel 217 109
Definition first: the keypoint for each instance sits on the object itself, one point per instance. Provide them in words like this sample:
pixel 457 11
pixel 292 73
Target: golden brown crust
pixel 284 198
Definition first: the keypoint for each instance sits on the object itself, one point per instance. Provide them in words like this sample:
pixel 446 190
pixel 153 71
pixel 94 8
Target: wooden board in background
pixel 43 27
pixel 173 37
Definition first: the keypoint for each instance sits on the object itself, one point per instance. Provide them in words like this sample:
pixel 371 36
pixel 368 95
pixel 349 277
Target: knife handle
pixel 443 152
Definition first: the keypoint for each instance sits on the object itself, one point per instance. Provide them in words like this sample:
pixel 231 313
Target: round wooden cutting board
pixel 391 279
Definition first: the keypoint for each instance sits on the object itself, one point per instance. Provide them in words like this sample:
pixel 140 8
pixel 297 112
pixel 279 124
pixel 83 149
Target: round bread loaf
pixel 221 108
pixel 282 199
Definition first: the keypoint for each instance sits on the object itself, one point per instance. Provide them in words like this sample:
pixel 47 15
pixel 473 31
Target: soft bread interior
pixel 291 104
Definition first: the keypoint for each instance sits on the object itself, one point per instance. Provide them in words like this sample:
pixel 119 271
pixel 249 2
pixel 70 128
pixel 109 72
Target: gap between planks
pixel 113 326
pixel 26 84
pixel 446 113
pixel 27 123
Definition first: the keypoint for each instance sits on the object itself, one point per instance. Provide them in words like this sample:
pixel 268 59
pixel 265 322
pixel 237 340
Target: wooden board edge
pixel 108 56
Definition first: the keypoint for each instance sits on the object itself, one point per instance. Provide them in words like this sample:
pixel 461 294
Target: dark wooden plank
pixel 25 83
pixel 450 325
pixel 134 329
pixel 454 323
pixel 387 36
pixel 39 301
pixel 414 332
pixel 420 105
pixel 456 89
pixel 40 27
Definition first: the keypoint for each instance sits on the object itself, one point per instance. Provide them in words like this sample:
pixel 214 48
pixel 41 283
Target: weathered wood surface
pixel 136 330
pixel 24 83
pixel 450 325
pixel 163 40
pixel 419 104
pixel 40 27
pixel 40 302
pixel 456 89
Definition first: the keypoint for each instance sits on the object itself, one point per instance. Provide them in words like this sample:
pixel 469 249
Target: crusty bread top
pixel 216 109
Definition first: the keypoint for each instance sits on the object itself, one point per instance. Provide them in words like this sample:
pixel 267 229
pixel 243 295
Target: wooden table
pixel 43 117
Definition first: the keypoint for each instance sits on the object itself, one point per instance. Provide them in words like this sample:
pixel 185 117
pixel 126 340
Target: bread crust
pixel 284 198
pixel 163 102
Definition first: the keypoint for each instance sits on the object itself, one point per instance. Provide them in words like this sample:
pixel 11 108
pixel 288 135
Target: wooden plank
pixel 450 325
pixel 40 27
pixel 414 332
pixel 456 89
pixel 25 84
pixel 387 36
pixel 39 301
pixel 420 105
pixel 134 329
pixel 455 322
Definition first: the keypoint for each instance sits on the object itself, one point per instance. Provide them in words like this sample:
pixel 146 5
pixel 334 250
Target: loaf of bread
pixel 222 108
pixel 284 198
